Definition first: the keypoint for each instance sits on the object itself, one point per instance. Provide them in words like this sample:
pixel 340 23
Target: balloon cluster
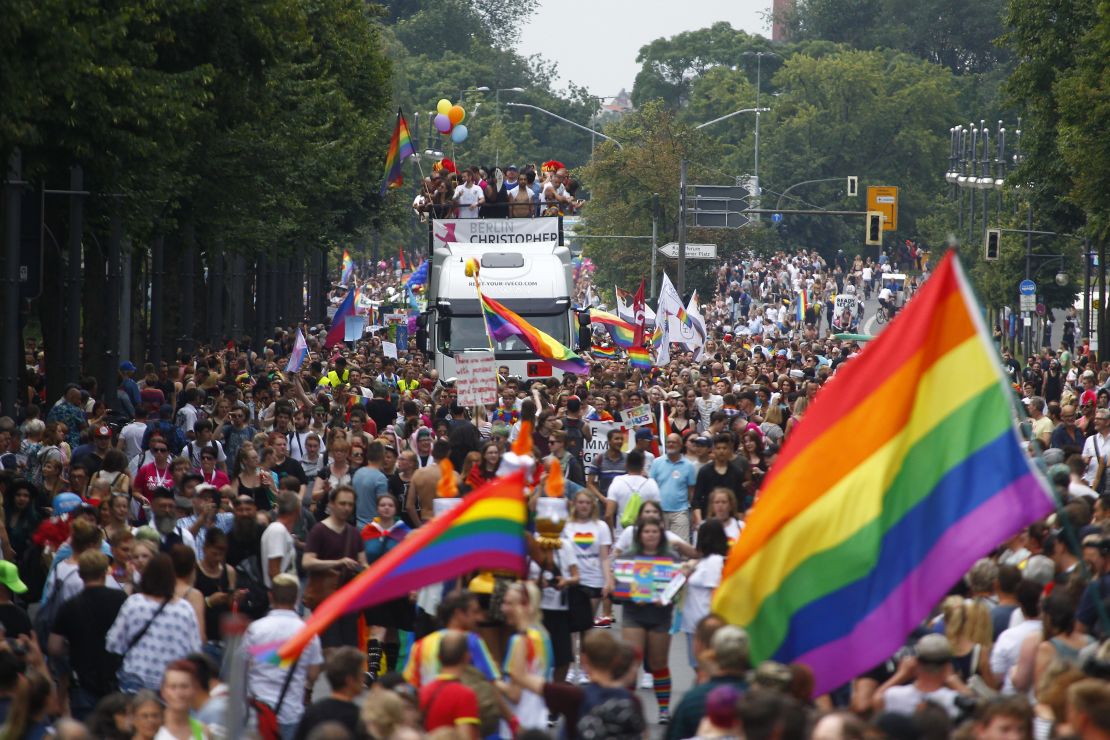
pixel 448 121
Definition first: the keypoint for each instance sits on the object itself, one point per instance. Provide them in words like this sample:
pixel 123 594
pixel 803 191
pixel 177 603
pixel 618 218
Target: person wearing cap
pixel 12 616
pixel 699 449
pixel 268 681
pixel 91 455
pixel 729 664
pixel 644 439
pixel 925 676
pixel 128 385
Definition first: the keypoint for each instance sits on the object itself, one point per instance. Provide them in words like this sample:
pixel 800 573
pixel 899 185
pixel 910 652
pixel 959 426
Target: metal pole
pixel 71 362
pixel 654 238
pixel 681 283
pixel 1086 287
pixel 188 257
pixel 1028 273
pixel 12 353
pixel 758 85
pixel 1098 320
pixel 157 276
pixel 126 255
pixel 112 302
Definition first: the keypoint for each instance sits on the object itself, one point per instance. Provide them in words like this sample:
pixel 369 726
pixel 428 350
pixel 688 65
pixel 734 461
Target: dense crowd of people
pixel 145 552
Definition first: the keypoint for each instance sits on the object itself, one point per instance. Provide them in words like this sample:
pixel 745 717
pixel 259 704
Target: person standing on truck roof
pixel 468 196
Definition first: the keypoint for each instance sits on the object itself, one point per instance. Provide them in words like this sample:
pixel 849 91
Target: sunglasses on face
pixel 159 449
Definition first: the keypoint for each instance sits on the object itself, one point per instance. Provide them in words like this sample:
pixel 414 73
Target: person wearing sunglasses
pixel 153 475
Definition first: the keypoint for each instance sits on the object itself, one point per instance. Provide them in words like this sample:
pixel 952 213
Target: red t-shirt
pixel 445 703
pixel 150 477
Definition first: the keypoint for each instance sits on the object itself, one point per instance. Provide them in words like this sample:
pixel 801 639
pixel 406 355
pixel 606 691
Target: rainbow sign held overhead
pixel 906 470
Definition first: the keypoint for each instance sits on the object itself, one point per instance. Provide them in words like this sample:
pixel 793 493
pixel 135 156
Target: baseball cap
pixel 703 440
pixel 423 432
pixel 103 431
pixel 644 433
pixel 772 675
pixel 9 576
pixel 127 366
pixel 64 503
pixel 512 168
pixel 933 649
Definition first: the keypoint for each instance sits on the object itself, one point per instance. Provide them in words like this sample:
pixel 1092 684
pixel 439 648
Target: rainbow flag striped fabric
pixel 639 358
pixel 503 323
pixel 348 268
pixel 620 331
pixel 600 351
pixel 484 532
pixel 400 149
pixel 339 323
pixel 906 469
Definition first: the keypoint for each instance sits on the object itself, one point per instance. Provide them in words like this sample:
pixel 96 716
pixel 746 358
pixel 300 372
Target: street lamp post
pixel 758 91
pixel 566 120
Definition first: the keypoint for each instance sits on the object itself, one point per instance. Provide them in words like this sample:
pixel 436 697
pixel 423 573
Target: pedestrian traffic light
pixel 990 244
pixel 874 235
pixel 853 186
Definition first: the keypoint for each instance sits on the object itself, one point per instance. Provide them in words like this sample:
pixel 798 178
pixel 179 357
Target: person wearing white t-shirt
pixel 468 196
pixel 624 487
pixel 278 550
pixel 592 542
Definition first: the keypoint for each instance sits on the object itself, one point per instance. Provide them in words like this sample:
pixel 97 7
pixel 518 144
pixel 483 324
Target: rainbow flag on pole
pixel 639 358
pixel 400 149
pixel 484 532
pixel 348 268
pixel 906 470
pixel 601 351
pixel 503 323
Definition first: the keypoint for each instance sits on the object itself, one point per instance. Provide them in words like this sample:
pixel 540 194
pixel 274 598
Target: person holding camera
pixel 933 680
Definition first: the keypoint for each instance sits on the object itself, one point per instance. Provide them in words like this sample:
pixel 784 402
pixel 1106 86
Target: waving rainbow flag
pixel 400 149
pixel 601 351
pixel 338 327
pixel 639 358
pixel 348 268
pixel 503 323
pixel 905 470
pixel 484 532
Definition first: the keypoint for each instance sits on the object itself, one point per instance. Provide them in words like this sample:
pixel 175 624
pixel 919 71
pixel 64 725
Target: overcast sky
pixel 595 42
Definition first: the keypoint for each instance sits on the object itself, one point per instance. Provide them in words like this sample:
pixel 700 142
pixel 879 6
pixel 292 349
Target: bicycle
pixel 882 315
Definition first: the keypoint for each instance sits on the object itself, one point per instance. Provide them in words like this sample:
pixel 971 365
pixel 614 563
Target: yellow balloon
pixel 443 106
pixel 456 114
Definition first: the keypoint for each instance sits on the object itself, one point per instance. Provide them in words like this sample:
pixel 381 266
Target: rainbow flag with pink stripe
pixel 912 451
pixel 503 323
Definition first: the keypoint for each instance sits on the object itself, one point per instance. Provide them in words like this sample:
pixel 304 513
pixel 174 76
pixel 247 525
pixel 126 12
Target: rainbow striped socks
pixel 662 684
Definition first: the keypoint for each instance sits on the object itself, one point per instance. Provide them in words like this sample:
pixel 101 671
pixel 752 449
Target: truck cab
pixel 533 279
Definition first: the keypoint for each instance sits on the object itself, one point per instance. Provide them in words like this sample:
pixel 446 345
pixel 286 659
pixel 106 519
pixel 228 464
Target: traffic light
pixel 990 244
pixel 853 186
pixel 874 234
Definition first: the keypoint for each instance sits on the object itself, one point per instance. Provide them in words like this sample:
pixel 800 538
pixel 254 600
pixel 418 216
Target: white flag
pixel 670 303
pixel 693 312
pixel 297 356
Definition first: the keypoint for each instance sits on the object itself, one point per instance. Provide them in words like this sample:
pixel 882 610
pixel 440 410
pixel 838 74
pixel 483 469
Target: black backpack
pixel 255 602
pixel 575 439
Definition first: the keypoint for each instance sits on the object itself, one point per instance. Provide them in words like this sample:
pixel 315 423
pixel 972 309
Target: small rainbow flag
pixel 920 484
pixel 484 532
pixel 803 304
pixel 639 358
pixel 348 268
pixel 400 149
pixel 620 330
pixel 601 351
pixel 503 323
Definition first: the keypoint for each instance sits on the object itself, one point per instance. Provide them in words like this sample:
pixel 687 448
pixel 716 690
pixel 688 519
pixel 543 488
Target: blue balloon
pixel 459 133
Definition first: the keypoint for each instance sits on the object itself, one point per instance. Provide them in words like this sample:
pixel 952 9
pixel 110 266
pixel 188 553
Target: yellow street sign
pixel 884 198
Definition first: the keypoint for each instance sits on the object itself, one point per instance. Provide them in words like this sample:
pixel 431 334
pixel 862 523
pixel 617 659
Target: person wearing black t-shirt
pixel 79 631
pixel 284 466
pixel 723 471
pixel 344 671
pixel 12 616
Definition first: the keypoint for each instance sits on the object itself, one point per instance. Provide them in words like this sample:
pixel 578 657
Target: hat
pixel 423 432
pixel 780 353
pixel 720 705
pixel 644 433
pixel 127 366
pixel 701 439
pixel 206 489
pixel 64 503
pixel 933 648
pixel 9 576
pixel 772 675
pixel 1088 397
pixel 512 168
pixel 102 431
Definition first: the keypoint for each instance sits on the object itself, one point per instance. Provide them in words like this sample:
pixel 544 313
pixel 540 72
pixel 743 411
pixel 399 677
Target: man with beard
pixel 164 510
pixel 245 538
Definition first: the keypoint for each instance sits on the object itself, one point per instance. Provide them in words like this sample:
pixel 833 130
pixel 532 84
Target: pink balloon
pixel 442 123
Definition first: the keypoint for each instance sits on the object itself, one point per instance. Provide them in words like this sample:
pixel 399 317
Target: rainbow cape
pixel 400 148
pixel 484 532
pixel 338 324
pixel 503 323
pixel 348 267
pixel 906 470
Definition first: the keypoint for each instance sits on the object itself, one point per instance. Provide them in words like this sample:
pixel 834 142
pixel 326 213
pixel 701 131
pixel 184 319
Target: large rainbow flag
pixel 400 149
pixel 503 323
pixel 906 469
pixel 620 331
pixel 484 532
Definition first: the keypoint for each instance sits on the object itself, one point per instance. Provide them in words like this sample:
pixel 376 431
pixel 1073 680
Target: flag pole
pixel 472 271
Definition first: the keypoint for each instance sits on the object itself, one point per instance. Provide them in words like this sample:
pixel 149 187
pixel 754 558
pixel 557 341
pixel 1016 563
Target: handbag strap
pixel 285 686
pixel 142 633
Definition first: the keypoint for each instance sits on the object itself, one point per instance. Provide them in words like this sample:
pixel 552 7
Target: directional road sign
pixel 884 198
pixel 693 251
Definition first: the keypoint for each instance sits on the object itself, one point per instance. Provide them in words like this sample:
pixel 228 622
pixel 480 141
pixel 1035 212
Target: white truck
pixel 531 276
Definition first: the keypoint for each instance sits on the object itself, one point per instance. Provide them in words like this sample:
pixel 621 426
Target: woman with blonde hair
pixel 967 625
pixel 529 651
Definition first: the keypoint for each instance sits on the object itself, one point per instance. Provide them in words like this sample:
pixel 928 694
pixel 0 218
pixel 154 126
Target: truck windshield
pixel 469 332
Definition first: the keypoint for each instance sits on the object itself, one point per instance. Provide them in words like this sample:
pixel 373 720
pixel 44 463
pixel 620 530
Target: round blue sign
pixel 776 217
pixel 1027 287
